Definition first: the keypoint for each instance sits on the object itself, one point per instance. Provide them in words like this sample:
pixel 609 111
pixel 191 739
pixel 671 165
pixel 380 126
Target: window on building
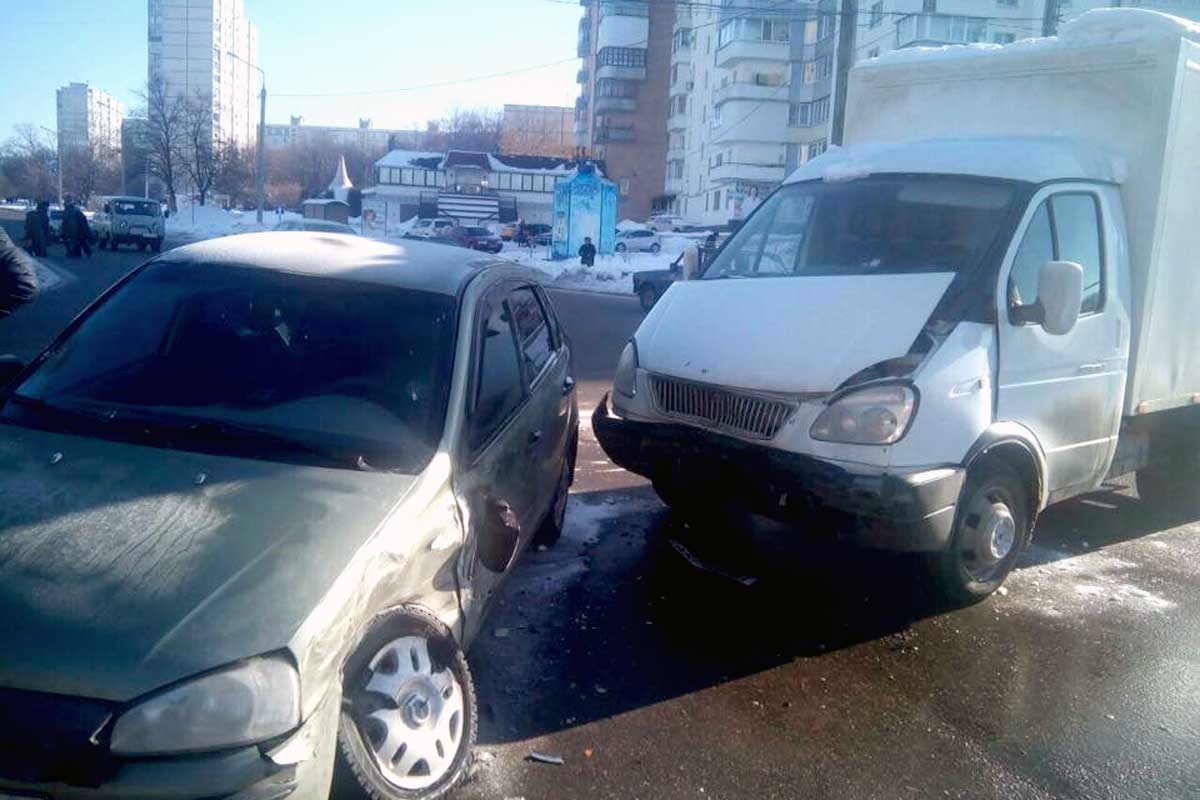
pixel 816 148
pixel 804 115
pixel 682 38
pixel 826 26
pixel 623 183
pixel 1004 38
pixel 406 176
pixel 614 87
pixel 1007 3
pixel 876 18
pixel 716 200
pixel 929 6
pixel 753 29
pixel 621 57
pixel 810 32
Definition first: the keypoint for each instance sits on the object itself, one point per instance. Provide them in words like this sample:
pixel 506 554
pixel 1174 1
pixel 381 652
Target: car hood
pixel 794 335
pixel 122 570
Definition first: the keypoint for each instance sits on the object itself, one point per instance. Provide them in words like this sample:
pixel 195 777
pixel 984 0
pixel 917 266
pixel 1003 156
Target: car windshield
pixel 875 225
pixel 135 207
pixel 256 363
pixel 477 231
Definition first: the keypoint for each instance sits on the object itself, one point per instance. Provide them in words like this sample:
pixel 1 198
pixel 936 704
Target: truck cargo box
pixel 1121 82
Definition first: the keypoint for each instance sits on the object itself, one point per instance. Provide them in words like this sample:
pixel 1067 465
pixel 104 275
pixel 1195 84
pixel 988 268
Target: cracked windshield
pixel 556 399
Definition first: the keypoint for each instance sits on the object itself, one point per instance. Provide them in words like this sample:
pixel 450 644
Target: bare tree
pixel 236 177
pixel 310 163
pixel 204 152
pixel 29 162
pixel 166 137
pixel 91 169
pixel 469 129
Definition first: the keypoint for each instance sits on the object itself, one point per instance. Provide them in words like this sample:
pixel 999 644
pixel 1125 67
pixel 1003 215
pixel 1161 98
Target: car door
pixel 550 389
pixel 498 445
pixel 1068 390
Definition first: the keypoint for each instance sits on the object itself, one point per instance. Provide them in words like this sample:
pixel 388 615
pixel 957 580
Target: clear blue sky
pixel 308 46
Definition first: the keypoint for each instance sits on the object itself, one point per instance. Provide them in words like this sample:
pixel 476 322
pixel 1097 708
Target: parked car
pixel 650 285
pixel 508 231
pixel 924 342
pixel 668 222
pixel 254 502
pixel 638 241
pixel 476 238
pixel 316 226
pixel 431 229
pixel 129 220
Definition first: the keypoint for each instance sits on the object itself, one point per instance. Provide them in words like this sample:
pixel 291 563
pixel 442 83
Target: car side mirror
pixel 10 368
pixel 1060 292
pixel 499 534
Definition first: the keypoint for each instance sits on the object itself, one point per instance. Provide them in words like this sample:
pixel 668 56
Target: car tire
pixel 141 247
pixel 156 246
pixel 648 296
pixel 393 646
pixel 620 248
pixel 656 247
pixel 993 523
pixel 551 529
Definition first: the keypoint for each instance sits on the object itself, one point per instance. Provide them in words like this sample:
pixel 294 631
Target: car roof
pixel 409 265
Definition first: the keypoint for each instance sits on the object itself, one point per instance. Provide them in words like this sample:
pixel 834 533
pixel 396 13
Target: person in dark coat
pixel 35 232
pixel 76 232
pixel 18 279
pixel 587 252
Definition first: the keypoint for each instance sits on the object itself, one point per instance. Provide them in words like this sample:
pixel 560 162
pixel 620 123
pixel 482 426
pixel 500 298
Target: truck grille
pixel 745 414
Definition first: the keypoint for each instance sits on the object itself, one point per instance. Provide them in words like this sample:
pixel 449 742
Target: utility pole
pixel 847 36
pixel 262 131
pixel 1050 18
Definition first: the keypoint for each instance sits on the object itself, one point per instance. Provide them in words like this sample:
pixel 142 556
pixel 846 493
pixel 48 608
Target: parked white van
pixel 928 340
pixel 129 220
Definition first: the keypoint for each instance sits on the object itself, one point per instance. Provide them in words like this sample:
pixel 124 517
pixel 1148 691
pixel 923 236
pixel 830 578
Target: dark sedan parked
pixel 253 503
pixel 476 237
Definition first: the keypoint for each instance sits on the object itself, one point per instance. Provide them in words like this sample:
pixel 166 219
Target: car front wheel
pixel 408 720
pixel 654 248
pixel 620 247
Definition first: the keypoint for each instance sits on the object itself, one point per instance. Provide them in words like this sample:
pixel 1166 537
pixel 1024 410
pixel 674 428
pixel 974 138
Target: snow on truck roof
pixel 1035 159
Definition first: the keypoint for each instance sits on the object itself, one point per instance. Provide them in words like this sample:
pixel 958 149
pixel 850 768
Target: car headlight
pixel 875 415
pixel 625 379
pixel 240 705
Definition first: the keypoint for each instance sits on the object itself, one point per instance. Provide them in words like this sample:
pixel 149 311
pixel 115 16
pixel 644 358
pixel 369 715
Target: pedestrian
pixel 522 234
pixel 35 234
pixel 690 262
pixel 76 231
pixel 18 278
pixel 587 252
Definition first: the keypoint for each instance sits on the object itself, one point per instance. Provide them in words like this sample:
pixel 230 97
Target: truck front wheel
pixel 992 526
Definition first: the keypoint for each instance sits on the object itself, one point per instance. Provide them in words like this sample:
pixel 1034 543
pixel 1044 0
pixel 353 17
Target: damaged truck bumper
pixel 897 510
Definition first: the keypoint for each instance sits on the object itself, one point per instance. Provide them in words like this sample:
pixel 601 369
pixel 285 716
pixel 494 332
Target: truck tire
pixel 412 644
pixel 1170 489
pixel 992 526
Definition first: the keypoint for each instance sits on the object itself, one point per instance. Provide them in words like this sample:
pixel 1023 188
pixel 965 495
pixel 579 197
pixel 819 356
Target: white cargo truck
pixel 988 301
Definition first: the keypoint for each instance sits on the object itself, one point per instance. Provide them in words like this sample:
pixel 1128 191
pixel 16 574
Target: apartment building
pixel 621 113
pixel 88 116
pixel 203 50
pixel 364 137
pixel 538 130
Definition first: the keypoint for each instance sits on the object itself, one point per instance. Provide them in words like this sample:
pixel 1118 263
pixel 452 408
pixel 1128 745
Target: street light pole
pixel 262 130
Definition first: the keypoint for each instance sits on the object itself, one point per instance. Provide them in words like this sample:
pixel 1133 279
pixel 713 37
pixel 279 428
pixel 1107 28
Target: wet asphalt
pixel 785 667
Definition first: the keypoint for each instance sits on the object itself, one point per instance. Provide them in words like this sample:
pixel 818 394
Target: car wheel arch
pixel 1017 446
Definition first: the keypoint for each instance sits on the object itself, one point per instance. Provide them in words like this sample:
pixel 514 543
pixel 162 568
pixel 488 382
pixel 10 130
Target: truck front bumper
pixel 900 510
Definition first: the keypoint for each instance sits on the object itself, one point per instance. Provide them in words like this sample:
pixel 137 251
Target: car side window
pixel 1036 249
pixel 1077 235
pixel 499 386
pixel 533 330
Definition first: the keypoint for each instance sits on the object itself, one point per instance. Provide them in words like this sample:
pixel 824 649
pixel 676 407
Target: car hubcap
pixel 990 536
pixel 417 730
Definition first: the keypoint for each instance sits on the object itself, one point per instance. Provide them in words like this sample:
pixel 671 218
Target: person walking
pixel 18 278
pixel 587 252
pixel 35 231
pixel 76 231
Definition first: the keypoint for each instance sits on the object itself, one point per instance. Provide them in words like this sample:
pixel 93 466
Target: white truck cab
pixel 984 304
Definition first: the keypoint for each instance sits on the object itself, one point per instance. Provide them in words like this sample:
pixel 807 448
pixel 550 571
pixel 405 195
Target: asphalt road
pixel 822 672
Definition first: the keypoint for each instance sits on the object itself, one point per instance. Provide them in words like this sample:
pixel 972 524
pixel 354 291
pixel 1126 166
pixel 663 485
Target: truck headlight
pixel 625 380
pixel 875 415
pixel 246 703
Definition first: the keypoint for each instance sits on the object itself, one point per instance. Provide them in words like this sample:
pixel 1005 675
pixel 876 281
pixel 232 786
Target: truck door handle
pixel 567 385
pixel 1090 369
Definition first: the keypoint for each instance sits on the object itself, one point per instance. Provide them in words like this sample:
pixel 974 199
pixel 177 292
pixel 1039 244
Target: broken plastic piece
pixel 542 758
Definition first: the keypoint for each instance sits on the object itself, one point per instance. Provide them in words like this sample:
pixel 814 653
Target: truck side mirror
pixel 1060 291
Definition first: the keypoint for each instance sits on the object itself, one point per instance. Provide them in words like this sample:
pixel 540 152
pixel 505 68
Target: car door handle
pixel 1091 369
pixel 568 385
pixel 535 437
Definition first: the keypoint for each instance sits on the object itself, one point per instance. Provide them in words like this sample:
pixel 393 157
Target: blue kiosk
pixel 586 205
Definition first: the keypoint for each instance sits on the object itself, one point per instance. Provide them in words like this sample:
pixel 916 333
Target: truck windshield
pixel 254 363
pixel 877 225
pixel 135 208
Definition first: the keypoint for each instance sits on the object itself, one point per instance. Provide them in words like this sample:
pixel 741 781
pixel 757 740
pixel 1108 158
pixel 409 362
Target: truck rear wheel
pixel 992 526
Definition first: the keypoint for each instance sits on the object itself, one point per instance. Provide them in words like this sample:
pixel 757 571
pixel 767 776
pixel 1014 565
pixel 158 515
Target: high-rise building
pixel 88 116
pixel 538 130
pixel 364 137
pixel 203 50
pixel 621 112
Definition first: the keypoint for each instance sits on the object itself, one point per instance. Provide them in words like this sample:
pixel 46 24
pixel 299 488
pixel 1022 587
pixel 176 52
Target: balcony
pixel 734 172
pixel 615 133
pixel 581 136
pixel 681 55
pixel 740 51
pixel 677 122
pixel 675 186
pixel 581 103
pixel 624 8
pixel 754 92
pixel 922 30
pixel 756 122
pixel 604 105
pixel 676 153
pixel 620 72
pixel 622 30
pixel 584 46
pixel 581 77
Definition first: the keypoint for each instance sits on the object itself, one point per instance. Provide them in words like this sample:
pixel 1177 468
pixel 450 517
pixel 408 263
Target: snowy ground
pixel 208 222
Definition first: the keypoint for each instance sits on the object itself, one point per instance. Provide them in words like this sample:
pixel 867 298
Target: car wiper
pixel 238 432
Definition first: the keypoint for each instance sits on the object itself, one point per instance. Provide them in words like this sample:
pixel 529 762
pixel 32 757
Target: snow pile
pixel 630 225
pixel 611 274
pixel 194 221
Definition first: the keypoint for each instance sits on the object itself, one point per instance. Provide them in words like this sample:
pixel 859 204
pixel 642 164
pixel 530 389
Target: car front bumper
pixel 899 510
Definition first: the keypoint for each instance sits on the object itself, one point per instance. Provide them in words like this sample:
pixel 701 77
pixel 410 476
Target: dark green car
pixel 253 504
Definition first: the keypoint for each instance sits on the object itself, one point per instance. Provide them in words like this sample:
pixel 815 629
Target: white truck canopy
pixel 1114 98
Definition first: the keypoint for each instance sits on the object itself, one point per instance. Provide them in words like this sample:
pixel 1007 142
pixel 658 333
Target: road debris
pixel 691 558
pixel 542 758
